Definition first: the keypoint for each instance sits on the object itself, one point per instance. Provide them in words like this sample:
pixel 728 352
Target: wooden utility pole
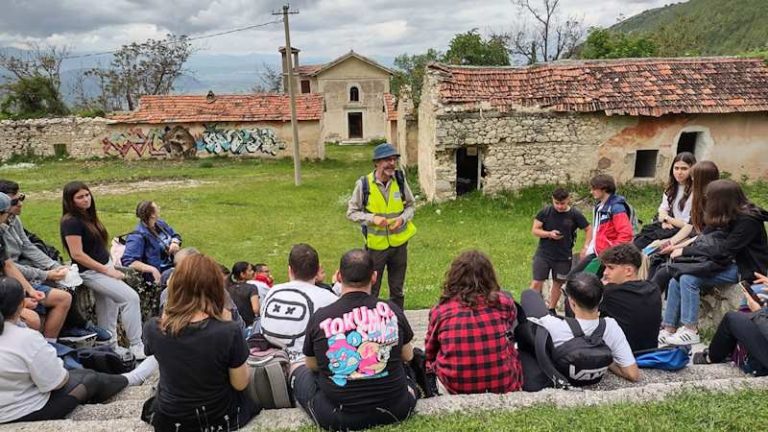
pixel 292 93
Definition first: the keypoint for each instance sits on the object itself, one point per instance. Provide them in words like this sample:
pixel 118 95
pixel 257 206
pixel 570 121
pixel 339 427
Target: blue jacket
pixel 141 245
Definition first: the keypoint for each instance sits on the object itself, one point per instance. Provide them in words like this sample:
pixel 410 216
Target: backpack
pixel 103 359
pixel 637 224
pixel 667 358
pixel 269 380
pixel 47 249
pixel 581 361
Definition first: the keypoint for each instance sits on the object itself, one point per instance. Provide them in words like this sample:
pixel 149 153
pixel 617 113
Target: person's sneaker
pixel 701 357
pixel 664 336
pixel 138 351
pixel 76 334
pixel 684 336
pixel 102 335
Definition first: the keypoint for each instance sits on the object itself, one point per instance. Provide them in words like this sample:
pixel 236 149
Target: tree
pixel 470 49
pixel 32 97
pixel 679 38
pixel 546 36
pixel 606 44
pixel 33 87
pixel 409 74
pixel 270 80
pixel 147 68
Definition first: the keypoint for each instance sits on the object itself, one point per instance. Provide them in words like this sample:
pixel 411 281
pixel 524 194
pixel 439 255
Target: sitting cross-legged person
pixel 634 303
pixel 354 375
pixel 467 346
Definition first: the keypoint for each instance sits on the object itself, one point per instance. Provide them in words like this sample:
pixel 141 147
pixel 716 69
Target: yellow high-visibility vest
pixel 378 238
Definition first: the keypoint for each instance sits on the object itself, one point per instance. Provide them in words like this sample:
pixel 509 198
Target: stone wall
pixel 83 138
pixel 42 137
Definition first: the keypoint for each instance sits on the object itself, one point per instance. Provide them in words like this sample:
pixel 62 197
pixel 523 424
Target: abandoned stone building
pixel 502 128
pixel 353 89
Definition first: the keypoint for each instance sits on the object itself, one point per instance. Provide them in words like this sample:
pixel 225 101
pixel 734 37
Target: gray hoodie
pixel 30 260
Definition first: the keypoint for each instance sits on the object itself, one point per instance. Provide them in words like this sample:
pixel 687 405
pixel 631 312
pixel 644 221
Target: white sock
pixel 144 370
pixel 52 340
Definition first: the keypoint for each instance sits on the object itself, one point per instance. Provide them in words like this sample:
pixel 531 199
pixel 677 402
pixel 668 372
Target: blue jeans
pixel 683 296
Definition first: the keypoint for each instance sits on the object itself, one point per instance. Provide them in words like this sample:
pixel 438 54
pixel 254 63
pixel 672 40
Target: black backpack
pixel 47 249
pixel 579 362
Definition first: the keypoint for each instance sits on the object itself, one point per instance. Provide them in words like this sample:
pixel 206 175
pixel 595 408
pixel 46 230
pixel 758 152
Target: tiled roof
pixel 308 69
pixel 232 108
pixel 389 106
pixel 649 87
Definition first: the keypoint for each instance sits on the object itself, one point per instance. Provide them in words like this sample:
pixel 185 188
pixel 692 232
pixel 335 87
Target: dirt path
pixel 119 188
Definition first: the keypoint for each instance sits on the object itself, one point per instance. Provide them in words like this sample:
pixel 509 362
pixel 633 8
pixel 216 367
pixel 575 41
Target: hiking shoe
pixel 102 335
pixel 684 336
pixel 701 357
pixel 138 351
pixel 76 334
pixel 664 336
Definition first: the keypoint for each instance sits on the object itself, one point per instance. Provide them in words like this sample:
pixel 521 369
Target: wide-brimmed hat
pixel 383 151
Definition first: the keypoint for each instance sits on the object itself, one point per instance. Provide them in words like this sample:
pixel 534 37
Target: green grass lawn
pixel 249 209
pixel 688 411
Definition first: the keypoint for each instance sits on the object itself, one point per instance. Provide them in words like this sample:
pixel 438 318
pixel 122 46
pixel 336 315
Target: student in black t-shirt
pixel 202 355
pixel 634 303
pixel 85 239
pixel 244 295
pixel 354 376
pixel 555 226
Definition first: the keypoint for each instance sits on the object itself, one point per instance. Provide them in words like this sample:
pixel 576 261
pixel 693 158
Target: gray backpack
pixel 269 382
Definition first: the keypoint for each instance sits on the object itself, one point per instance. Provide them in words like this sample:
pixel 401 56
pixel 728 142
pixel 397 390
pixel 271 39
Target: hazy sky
pixel 324 28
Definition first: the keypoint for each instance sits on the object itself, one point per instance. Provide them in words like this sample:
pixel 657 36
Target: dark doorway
pixel 467 166
pixel 687 142
pixel 355 124
pixel 645 163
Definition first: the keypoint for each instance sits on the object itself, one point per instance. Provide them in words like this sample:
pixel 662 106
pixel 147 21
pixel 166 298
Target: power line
pixel 193 38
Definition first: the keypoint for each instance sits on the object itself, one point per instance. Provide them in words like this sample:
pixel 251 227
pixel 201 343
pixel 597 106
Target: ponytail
pixel 11 296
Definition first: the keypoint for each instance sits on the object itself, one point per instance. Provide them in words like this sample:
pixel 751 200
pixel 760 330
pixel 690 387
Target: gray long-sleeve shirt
pixel 30 260
pixel 356 212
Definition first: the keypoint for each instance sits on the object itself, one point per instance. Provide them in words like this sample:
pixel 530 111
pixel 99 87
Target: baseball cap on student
pixel 5 202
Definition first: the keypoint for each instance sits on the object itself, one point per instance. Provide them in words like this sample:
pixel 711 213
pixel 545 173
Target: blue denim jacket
pixel 141 245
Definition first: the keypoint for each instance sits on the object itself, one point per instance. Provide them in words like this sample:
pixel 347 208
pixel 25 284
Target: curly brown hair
pixel 471 278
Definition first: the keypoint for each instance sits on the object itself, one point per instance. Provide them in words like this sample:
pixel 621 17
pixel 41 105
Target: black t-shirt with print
pixel 567 223
pixel 93 245
pixel 194 367
pixel 357 342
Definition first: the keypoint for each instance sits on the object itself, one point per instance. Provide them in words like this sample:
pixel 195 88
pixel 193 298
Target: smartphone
pixel 748 288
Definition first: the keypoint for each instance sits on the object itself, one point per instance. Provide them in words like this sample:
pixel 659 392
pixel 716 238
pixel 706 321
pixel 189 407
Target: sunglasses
pixel 18 199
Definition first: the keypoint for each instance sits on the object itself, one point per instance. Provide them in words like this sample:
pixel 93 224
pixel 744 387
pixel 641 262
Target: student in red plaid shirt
pixel 469 343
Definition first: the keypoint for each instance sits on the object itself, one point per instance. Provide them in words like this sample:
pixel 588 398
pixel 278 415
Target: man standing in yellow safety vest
pixel 382 203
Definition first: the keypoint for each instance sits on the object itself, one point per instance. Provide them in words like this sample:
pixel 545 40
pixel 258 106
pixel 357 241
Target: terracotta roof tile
pixel 651 87
pixel 232 108
pixel 389 105
pixel 308 69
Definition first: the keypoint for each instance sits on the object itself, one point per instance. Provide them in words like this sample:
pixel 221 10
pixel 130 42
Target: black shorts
pixel 543 266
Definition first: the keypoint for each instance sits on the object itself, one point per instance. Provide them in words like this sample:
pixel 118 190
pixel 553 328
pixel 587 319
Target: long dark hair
pixel 11 296
pixel 703 173
pixel 89 216
pixel 471 277
pixel 725 202
pixel 672 184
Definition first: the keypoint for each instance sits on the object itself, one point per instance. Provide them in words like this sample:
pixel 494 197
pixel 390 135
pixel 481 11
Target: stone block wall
pixel 42 136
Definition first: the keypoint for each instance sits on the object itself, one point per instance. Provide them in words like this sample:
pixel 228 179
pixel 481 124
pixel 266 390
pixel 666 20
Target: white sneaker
pixel 664 336
pixel 138 351
pixel 684 336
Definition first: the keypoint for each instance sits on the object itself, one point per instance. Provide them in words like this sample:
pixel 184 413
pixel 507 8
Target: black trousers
pixel 331 417
pixel 737 327
pixel 395 259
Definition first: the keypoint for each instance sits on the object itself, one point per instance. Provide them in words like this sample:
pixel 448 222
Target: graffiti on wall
pixel 178 141
pixel 217 140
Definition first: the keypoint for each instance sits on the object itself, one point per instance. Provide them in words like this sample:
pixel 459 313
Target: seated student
pixel 262 278
pixel 735 230
pixel 465 344
pixel 354 376
pixel 584 294
pixel 201 353
pixel 739 328
pixel 634 303
pixel 244 295
pixel 556 226
pixel 152 244
pixel 611 223
pixel 34 384
pixel 289 306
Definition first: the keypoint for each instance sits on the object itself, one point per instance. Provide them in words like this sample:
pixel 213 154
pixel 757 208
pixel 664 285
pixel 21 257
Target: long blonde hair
pixel 196 286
